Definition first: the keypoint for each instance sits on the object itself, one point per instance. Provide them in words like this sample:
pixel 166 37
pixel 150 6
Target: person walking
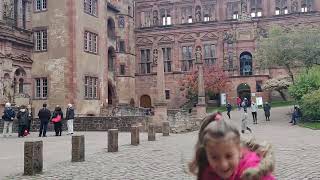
pixel 229 108
pixel 70 118
pixel 57 117
pixel 254 109
pixel 8 116
pixel 44 116
pixel 23 119
pixel 244 104
pixel 244 122
pixel 266 109
pixel 30 117
pixel 295 115
pixel 239 103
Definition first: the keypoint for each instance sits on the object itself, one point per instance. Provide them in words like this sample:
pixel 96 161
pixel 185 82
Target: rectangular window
pixel 209 54
pixel 91 87
pixel 167 93
pixel 167 59
pixel 233 9
pixel 41 88
pixel 256 8
pixel 90 42
pixel 41 40
pixel 166 18
pixel 122 69
pixel 122 48
pixel 41 5
pixel 90 7
pixel 145 62
pixel 258 86
pixel 187 61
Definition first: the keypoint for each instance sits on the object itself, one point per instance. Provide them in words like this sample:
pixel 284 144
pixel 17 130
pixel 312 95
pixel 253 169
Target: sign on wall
pixel 223 98
pixel 259 101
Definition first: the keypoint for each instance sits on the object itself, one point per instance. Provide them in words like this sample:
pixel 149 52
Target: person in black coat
pixel 229 108
pixel 44 116
pixel 23 119
pixel 58 125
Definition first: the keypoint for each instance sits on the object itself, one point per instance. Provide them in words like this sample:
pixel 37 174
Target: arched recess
pixel 19 80
pixel 244 91
pixel 112 95
pixel 111 58
pixel 132 102
pixel 245 64
pixel 111 29
pixel 145 101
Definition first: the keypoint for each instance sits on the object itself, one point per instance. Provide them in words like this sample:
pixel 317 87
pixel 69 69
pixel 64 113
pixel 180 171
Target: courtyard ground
pixel 296 149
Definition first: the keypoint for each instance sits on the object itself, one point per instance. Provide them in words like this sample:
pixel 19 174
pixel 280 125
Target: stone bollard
pixel 113 140
pixel 165 128
pixel 135 135
pixel 151 132
pixel 78 150
pixel 33 158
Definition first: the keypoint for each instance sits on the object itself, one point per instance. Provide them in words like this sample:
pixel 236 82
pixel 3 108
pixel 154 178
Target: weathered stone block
pixel 113 140
pixel 135 133
pixel 33 158
pixel 78 149
pixel 151 132
pixel 165 128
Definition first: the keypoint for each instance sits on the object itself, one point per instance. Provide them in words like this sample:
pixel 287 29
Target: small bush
pixel 310 105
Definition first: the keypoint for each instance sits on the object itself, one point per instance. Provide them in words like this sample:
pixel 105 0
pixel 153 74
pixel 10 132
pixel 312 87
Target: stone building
pixel 15 52
pixel 224 31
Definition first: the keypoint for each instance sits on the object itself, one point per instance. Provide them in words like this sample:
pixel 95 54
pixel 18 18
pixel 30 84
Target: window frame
pixel 167 59
pixel 91 84
pixel 187 59
pixel 212 59
pixel 90 42
pixel 43 88
pixel 43 5
pixel 92 9
pixel 40 40
pixel 167 94
pixel 145 61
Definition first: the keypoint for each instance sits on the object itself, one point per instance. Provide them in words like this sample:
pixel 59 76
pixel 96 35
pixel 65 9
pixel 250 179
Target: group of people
pixel 25 116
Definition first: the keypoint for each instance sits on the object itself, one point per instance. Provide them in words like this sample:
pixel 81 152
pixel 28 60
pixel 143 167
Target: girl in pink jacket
pixel 220 154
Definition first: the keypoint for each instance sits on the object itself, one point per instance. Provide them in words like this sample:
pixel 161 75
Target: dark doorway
pixel 244 91
pixel 245 64
pixel 145 101
pixel 111 94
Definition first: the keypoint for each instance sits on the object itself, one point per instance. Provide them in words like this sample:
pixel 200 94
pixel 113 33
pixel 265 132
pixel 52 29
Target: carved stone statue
pixel 8 7
pixel 198 54
pixel 198 14
pixel 244 6
pixel 228 37
pixel 8 90
pixel 1 90
pixel 294 6
pixel 155 18
pixel 155 56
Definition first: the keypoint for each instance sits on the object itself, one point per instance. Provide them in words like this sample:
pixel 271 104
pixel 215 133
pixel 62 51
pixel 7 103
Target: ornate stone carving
pixel 198 54
pixel 155 18
pixel 228 37
pixel 198 14
pixel 294 6
pixel 121 22
pixel 8 9
pixel 8 91
pixel 155 56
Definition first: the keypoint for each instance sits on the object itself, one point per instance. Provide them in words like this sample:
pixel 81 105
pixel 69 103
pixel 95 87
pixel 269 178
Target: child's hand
pixel 251 174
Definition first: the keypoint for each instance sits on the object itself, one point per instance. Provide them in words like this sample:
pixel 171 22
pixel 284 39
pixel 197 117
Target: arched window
pixel 111 58
pixel 245 64
pixel 21 85
pixel 111 29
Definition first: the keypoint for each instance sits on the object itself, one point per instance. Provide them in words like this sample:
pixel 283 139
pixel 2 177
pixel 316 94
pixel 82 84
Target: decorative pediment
pixel 166 39
pixel 21 57
pixel 144 41
pixel 187 38
pixel 209 36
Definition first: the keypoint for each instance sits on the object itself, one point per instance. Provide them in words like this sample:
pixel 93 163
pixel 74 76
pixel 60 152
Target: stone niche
pixel 245 34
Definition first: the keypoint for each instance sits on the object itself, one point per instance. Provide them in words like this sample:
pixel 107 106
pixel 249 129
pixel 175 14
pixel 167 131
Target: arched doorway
pixel 145 101
pixel 245 64
pixel 111 29
pixel 111 94
pixel 244 91
pixel 111 58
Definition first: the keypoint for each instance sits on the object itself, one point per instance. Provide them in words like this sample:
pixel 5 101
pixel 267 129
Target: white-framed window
pixel 41 40
pixel 190 19
pixel 304 8
pixel 235 15
pixel 259 13
pixel 91 87
pixel 41 5
pixel 166 18
pixel 41 88
pixel 253 14
pixel 90 7
pixel 90 42
pixel 206 18
pixel 277 12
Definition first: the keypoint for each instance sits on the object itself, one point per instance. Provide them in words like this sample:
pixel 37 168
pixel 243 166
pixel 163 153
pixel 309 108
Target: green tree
pixel 289 49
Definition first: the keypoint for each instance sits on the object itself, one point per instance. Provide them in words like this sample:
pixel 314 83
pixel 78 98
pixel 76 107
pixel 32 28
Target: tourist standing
pixel 23 119
pixel 70 118
pixel 239 103
pixel 266 109
pixel 244 104
pixel 295 115
pixel 30 117
pixel 57 117
pixel 254 109
pixel 44 116
pixel 8 116
pixel 244 122
pixel 229 108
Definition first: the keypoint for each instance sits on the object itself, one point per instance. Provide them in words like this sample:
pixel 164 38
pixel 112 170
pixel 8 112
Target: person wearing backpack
pixel 8 116
pixel 23 119
pixel 44 116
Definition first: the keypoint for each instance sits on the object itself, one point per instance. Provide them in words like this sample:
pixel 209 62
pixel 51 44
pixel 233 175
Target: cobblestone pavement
pixel 296 149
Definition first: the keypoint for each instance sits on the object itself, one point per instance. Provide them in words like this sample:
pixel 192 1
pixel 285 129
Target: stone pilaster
pixel 78 149
pixel 33 158
pixel 28 14
pixel 160 105
pixel 19 14
pixel 201 106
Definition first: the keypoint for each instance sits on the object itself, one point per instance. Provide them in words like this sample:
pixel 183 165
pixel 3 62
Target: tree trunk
pixel 290 73
pixel 283 96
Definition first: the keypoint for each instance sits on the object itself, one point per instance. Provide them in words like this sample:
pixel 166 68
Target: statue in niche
pixel 244 6
pixel 8 90
pixel 155 18
pixel 8 8
pixel 198 14
pixel 198 54
pixel 155 56
pixel 228 37
pixel 294 6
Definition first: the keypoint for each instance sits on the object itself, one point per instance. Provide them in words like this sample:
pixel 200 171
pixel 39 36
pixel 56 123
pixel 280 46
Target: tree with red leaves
pixel 215 80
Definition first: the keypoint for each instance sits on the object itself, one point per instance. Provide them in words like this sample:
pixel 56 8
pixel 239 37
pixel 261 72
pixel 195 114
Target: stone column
pixel 201 106
pixel 113 140
pixel 19 14
pixel 28 14
pixel 151 132
pixel 33 157
pixel 160 105
pixel 1 10
pixel 135 135
pixel 166 128
pixel 78 149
